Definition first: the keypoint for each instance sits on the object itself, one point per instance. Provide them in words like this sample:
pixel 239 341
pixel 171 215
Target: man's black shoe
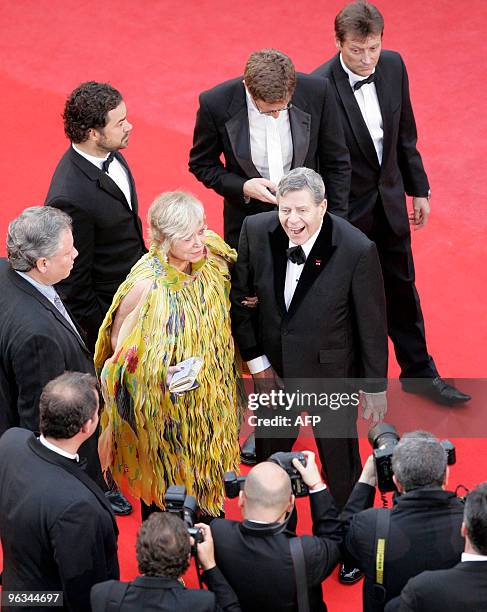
pixel 349 575
pixel 120 505
pixel 436 389
pixel 247 451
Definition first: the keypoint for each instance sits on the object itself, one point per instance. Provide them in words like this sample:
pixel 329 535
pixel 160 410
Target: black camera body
pixel 186 508
pixel 233 483
pixel 383 438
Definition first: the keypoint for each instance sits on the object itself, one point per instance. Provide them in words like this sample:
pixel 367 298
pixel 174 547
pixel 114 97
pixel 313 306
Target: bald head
pixel 267 487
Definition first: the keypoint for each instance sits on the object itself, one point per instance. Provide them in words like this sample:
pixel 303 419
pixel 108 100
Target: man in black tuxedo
pixel 39 339
pixel 163 556
pixel 265 123
pixel 94 185
pixel 463 587
pixel 372 91
pixel 57 530
pixel 320 316
pixel 255 555
pixel 424 524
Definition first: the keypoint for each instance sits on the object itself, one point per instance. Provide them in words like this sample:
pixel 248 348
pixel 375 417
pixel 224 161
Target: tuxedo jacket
pixel 335 326
pixel 107 235
pixel 222 127
pixel 57 530
pixel 159 594
pixel 463 587
pixel 401 169
pixel 424 535
pixel 258 565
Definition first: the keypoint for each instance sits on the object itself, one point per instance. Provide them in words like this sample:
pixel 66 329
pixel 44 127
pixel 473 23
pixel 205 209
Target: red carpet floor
pixel 161 54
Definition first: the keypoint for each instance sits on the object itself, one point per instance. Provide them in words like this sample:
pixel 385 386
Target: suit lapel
pixel 239 133
pixel 73 468
pixel 315 263
pixel 300 122
pixel 383 88
pixel 354 115
pixel 279 243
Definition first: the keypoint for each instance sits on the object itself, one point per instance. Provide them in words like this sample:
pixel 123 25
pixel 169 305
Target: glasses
pixel 271 112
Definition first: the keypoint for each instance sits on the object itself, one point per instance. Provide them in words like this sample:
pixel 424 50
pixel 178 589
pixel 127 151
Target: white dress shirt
pixel 58 450
pixel 265 129
pixel 116 172
pixel 368 102
pixel 473 557
pixel 293 274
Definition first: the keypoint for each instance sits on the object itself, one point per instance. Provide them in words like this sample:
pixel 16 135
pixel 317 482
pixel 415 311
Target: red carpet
pixel 162 54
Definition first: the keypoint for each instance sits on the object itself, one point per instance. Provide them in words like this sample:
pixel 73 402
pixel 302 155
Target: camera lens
pixel 383 434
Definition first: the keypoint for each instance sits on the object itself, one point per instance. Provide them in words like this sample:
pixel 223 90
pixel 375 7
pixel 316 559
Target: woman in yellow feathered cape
pixel 151 438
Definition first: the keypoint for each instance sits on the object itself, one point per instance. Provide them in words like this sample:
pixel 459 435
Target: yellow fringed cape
pixel 151 438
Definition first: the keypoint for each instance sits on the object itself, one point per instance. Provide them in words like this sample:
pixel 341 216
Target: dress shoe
pixel 349 575
pixel 247 451
pixel 436 389
pixel 120 505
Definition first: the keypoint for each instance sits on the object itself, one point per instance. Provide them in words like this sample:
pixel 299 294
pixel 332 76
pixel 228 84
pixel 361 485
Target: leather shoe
pixel 120 505
pixel 349 575
pixel 247 451
pixel 436 389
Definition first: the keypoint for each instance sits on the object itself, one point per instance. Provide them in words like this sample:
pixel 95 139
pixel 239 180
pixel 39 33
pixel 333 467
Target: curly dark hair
pixel 87 107
pixel 163 546
pixel 270 76
pixel 66 403
pixel 359 19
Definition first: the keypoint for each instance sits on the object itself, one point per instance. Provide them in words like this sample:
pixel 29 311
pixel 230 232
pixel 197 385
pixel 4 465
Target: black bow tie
pixel 107 162
pixel 296 255
pixel 369 79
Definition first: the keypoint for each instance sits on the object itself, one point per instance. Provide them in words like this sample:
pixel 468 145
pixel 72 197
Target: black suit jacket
pixel 335 326
pixel 107 235
pixel 258 564
pixel 424 535
pixel 58 532
pixel 222 127
pixel 159 594
pixel 463 587
pixel 401 169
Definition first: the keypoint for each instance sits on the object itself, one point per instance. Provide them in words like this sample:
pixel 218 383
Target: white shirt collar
pixel 352 77
pixel 473 557
pixel 58 450
pixel 308 245
pixel 47 291
pixel 97 161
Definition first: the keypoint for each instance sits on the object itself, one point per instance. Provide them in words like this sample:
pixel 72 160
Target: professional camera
pixel 383 438
pixel 233 484
pixel 186 508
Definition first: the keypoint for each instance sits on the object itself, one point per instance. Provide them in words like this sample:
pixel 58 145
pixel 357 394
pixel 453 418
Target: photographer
pixel 255 555
pixel 421 532
pixel 163 552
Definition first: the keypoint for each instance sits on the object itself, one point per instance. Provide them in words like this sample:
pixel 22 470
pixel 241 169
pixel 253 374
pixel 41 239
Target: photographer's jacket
pixel 424 535
pixel 258 565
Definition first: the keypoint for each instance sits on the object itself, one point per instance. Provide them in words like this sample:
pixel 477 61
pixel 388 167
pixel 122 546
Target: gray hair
pixel 35 233
pixel 419 460
pixel 302 178
pixel 172 216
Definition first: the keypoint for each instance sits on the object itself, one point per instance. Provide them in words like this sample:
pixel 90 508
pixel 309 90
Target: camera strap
pixel 297 554
pixel 382 527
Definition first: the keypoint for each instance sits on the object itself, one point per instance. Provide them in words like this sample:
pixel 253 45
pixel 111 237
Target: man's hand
pixel 258 188
pixel 420 213
pixel 266 381
pixel 369 475
pixel 311 474
pixel 374 405
pixel 206 550
pixel 250 301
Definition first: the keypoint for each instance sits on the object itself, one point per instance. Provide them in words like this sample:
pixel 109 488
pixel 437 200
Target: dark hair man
pixel 163 554
pixel 424 530
pixel 94 185
pixel 57 530
pixel 39 339
pixel 264 124
pixel 463 587
pixel 255 556
pixel 372 90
